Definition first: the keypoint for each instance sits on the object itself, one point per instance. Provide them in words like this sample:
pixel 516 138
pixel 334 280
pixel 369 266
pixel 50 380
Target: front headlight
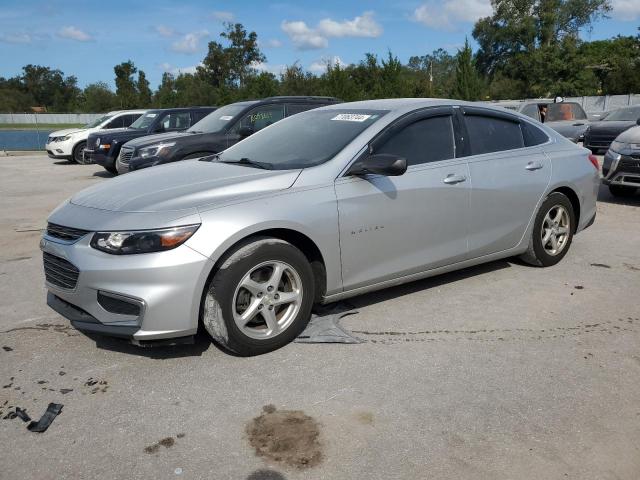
pixel 618 146
pixel 65 138
pixel 156 150
pixel 142 241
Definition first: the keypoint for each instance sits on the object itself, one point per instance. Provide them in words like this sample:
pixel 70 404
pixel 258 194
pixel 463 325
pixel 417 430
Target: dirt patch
pixel 601 265
pixel 633 268
pixel 166 442
pixel 365 418
pixel 288 437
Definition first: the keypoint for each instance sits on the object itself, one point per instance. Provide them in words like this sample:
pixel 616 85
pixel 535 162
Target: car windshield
pixel 98 121
pixel 218 120
pixel 143 122
pixel 303 140
pixel 624 115
pixel 557 112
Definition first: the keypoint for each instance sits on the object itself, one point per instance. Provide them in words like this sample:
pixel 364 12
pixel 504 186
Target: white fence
pixel 81 118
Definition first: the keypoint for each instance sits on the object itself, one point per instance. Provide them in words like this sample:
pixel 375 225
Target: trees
pixel 98 97
pixel 468 85
pixel 125 86
pixel 535 43
pixel 144 92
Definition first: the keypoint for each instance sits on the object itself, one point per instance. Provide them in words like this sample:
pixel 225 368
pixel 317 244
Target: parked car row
pixel 69 144
pixel 327 204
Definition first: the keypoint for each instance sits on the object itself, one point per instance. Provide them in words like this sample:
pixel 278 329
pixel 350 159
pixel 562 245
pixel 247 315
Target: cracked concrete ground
pixel 502 371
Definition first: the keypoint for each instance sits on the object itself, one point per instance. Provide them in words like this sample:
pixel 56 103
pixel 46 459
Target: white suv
pixel 69 144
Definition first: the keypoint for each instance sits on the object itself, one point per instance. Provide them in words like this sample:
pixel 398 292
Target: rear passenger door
pixel 509 174
pixel 391 227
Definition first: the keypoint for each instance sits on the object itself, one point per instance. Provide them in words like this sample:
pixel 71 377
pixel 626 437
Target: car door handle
pixel 578 124
pixel 452 179
pixel 533 166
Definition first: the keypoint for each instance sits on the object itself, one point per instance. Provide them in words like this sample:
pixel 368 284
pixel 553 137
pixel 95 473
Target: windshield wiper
pixel 195 131
pixel 209 158
pixel 250 163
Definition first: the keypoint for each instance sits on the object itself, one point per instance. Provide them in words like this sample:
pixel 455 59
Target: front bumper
pixel 165 286
pixel 621 170
pixel 100 158
pixel 59 149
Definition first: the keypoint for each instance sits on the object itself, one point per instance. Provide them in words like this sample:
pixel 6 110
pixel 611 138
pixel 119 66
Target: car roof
pixel 402 105
pixel 180 109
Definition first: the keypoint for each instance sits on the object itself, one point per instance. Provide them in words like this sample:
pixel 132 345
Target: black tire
pixel 536 254
pixel 622 190
pixel 77 155
pixel 218 304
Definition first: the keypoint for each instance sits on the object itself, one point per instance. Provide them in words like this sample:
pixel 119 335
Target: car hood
pixel 156 138
pixel 183 186
pixel 611 126
pixel 632 135
pixel 66 131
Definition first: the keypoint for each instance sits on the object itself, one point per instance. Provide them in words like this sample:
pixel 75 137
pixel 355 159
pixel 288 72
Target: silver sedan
pixel 324 205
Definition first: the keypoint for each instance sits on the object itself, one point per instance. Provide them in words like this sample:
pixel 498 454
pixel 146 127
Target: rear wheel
pixel 552 231
pixel 260 298
pixel 78 155
pixel 622 190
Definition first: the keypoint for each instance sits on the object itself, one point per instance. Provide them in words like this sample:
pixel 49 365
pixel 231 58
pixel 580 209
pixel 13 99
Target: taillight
pixel 594 161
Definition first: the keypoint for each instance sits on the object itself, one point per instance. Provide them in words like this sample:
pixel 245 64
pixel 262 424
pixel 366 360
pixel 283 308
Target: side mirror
pixel 380 164
pixel 638 122
pixel 245 131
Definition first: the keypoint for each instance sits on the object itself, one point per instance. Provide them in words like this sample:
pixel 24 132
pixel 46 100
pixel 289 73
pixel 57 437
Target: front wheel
pixel 622 190
pixel 260 298
pixel 552 231
pixel 78 153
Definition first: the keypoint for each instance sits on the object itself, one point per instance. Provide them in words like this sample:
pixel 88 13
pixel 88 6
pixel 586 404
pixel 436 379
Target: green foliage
pixel 527 48
pixel 468 85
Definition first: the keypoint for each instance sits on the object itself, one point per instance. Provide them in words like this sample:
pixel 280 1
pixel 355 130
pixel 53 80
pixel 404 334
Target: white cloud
pixel 16 38
pixel 626 10
pixel 165 31
pixel 223 16
pixel 190 42
pixel 307 38
pixel 444 15
pixel 304 37
pixel 362 26
pixel 273 43
pixel 320 66
pixel 73 33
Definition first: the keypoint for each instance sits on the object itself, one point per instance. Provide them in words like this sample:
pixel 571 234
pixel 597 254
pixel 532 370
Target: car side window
pixel 129 119
pixel 532 135
pixel 532 111
pixel 116 122
pixel 427 140
pixel 198 115
pixel 491 134
pixel 293 108
pixel 261 117
pixel 176 121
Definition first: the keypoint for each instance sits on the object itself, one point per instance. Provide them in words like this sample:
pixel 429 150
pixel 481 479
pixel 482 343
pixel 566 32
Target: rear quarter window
pixel 489 134
pixel 532 135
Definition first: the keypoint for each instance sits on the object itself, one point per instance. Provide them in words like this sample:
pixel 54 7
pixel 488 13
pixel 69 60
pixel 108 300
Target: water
pixel 23 139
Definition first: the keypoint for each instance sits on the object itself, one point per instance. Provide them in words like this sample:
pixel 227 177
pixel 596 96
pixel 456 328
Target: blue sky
pixel 87 38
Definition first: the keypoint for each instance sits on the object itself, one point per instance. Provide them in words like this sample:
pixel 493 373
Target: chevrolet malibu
pixel 332 203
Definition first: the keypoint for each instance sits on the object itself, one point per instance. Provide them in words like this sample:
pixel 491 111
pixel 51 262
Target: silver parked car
pixel 327 204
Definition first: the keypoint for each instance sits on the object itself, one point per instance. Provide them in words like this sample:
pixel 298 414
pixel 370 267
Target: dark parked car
pixel 600 134
pixel 219 130
pixel 103 147
pixel 621 167
pixel 566 118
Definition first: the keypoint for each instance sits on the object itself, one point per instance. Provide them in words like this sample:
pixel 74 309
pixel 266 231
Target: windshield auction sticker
pixel 351 117
pixel 226 118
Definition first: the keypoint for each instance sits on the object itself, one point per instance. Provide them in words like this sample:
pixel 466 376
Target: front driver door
pixel 396 226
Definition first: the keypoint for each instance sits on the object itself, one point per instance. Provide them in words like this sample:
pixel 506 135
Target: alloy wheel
pixel 555 230
pixel 267 300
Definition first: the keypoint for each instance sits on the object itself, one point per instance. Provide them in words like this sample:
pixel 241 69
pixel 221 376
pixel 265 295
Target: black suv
pixel 219 130
pixel 103 147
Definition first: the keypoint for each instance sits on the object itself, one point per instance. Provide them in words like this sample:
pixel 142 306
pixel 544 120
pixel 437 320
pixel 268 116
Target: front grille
pixel 629 166
pixel 125 155
pixel 65 233
pixel 60 272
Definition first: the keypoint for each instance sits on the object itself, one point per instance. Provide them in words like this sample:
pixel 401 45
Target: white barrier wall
pixel 48 117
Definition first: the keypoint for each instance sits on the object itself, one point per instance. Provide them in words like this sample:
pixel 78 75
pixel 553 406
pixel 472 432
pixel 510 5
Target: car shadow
pixel 605 196
pixel 103 174
pixel 64 162
pixel 399 291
